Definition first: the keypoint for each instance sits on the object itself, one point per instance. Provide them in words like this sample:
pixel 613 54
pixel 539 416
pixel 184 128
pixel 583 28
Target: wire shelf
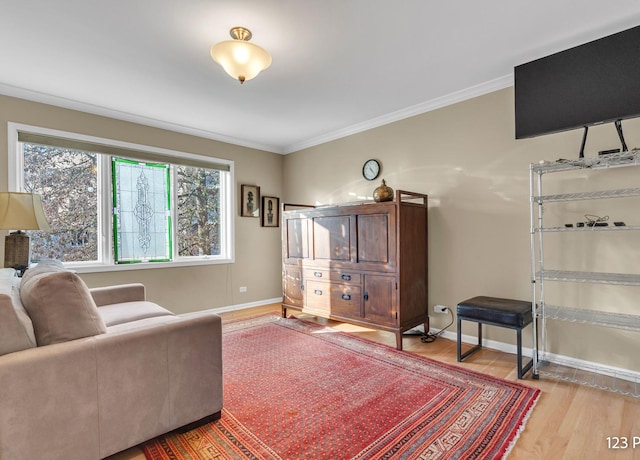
pixel 601 162
pixel 608 228
pixel 625 382
pixel 599 318
pixel 626 279
pixel 601 194
pixel 621 382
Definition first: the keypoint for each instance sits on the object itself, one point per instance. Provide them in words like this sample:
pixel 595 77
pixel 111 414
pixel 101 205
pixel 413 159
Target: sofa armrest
pixel 118 294
pixel 50 391
pixel 157 375
pixel 110 391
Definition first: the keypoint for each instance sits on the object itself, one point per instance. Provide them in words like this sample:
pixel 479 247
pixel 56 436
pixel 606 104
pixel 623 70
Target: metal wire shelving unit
pixel 616 380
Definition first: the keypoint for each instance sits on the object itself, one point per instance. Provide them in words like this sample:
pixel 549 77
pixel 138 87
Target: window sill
pixel 98 268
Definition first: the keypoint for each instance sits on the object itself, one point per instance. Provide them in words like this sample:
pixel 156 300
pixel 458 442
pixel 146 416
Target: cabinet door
pixel 380 299
pixel 376 240
pixel 292 286
pixel 296 239
pixel 332 238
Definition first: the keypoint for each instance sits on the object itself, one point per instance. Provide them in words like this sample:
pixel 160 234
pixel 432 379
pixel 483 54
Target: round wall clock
pixel 371 169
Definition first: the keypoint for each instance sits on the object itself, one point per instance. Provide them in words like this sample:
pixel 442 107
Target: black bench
pixel 514 314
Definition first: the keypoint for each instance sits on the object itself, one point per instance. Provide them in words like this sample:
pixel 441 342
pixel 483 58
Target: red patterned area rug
pixel 297 390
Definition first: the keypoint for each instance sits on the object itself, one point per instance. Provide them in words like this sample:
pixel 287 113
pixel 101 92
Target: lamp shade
pixel 240 58
pixel 22 211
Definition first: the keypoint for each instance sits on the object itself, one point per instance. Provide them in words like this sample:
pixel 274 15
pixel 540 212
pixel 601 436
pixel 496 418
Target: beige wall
pixel 476 174
pixel 257 264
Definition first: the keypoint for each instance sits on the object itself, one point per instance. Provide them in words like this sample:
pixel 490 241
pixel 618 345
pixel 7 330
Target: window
pixel 113 205
pixel 141 211
pixel 198 212
pixel 68 182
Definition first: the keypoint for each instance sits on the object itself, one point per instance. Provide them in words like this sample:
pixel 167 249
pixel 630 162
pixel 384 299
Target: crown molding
pixel 44 98
pixel 418 109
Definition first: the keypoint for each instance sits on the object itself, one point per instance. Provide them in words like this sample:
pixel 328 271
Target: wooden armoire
pixel 363 263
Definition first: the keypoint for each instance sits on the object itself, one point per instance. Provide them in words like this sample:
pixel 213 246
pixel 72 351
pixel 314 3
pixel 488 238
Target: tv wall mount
pixel 618 125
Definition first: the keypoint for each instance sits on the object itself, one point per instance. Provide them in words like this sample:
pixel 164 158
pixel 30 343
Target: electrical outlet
pixel 440 308
pixel 243 288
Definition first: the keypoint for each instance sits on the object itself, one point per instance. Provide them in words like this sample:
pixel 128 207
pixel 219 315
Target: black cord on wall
pixel 429 337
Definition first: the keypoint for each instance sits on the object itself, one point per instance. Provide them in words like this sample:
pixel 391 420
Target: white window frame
pixel 105 261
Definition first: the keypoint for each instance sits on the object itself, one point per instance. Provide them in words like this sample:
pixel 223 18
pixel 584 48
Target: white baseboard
pixel 242 306
pixel 493 344
pixel 611 371
pixel 568 361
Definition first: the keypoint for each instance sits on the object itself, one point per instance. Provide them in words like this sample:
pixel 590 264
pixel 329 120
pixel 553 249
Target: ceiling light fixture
pixel 239 58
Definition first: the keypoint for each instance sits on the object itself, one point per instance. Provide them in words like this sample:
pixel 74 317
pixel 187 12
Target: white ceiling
pixel 339 66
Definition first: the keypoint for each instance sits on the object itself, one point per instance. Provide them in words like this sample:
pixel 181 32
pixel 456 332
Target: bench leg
pixel 459 342
pixel 475 348
pixel 522 370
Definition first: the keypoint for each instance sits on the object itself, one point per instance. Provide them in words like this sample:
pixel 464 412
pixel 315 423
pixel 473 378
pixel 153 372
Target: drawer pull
pixel 317 292
pixel 366 296
pixel 317 274
pixel 346 296
pixel 346 277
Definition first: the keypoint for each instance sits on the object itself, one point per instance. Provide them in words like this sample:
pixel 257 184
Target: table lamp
pixel 20 211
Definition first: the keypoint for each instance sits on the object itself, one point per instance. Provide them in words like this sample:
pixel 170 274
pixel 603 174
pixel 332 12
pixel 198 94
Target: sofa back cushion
pixel 60 306
pixel 13 336
pixel 43 266
pixel 16 329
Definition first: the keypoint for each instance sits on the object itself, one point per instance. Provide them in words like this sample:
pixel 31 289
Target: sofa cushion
pixel 126 312
pixel 7 273
pixel 9 286
pixel 61 307
pixel 13 336
pixel 144 324
pixel 43 266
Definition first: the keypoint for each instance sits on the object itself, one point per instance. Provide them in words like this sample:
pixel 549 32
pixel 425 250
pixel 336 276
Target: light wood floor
pixel 569 422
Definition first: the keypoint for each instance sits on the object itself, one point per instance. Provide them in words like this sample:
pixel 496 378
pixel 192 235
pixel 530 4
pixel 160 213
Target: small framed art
pixel 250 201
pixel 270 211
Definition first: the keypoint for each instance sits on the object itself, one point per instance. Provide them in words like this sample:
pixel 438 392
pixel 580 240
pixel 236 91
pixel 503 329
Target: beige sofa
pixel 97 376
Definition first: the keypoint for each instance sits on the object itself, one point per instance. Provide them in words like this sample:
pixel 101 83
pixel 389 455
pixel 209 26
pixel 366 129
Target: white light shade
pixel 240 59
pixel 22 211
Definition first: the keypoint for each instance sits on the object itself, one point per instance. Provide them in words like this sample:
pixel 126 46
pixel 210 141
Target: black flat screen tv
pixel 597 82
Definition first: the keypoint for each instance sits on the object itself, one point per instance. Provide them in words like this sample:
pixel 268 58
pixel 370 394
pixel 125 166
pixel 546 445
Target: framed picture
pixel 270 211
pixel 250 201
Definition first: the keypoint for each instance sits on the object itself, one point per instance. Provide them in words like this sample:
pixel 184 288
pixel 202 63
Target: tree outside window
pixel 68 183
pixel 198 211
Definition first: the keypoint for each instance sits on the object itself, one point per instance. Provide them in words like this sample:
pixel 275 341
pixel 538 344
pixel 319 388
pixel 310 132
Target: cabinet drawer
pixel 346 277
pixel 318 296
pixel 333 299
pixel 346 300
pixel 317 274
pixel 339 276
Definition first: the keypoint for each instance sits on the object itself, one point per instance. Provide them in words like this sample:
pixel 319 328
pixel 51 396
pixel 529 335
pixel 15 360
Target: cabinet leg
pixel 284 311
pixel 399 340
